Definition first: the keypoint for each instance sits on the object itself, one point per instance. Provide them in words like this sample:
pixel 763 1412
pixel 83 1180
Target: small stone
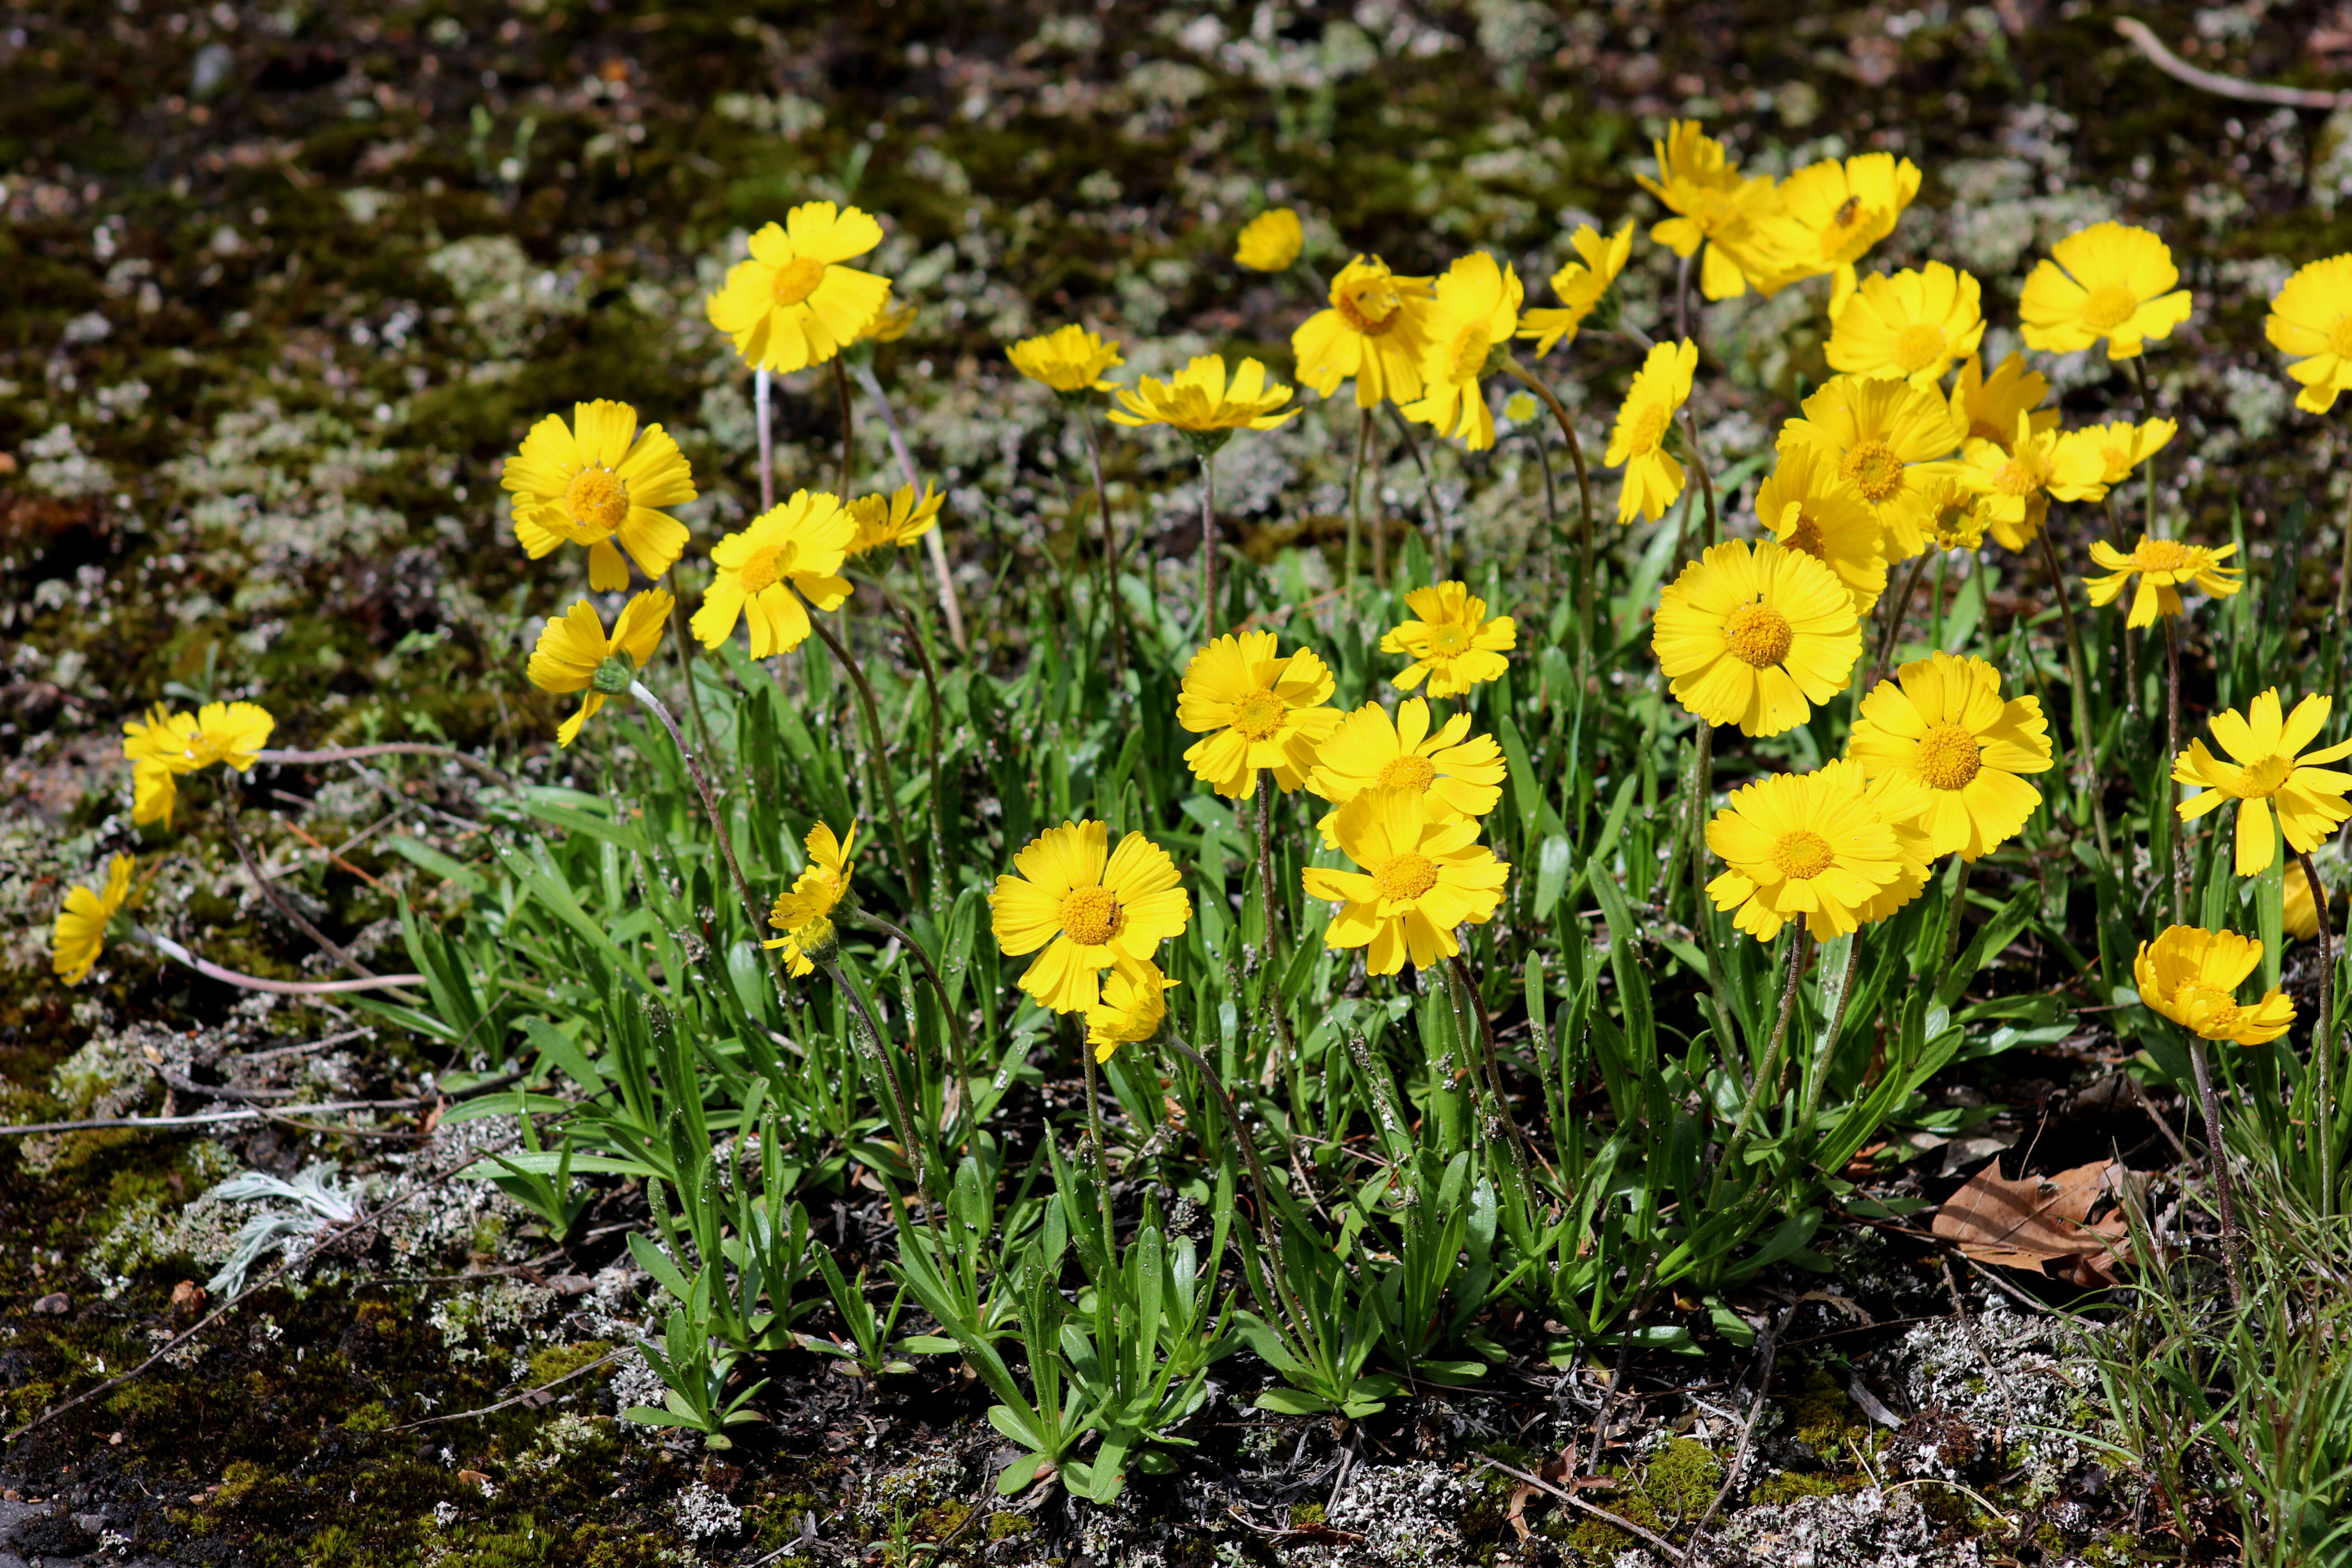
pixel 55 1304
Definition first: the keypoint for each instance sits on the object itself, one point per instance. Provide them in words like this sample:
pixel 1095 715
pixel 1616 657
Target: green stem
pixel 654 706
pixel 2323 1050
pixel 1767 1072
pixel 2086 777
pixel 1586 589
pixel 2146 413
pixel 848 422
pixel 900 1122
pixel 1269 896
pixel 880 767
pixel 2218 1153
pixel 1209 546
pixel 1355 496
pixel 2172 726
pixel 1110 548
pixel 958 1043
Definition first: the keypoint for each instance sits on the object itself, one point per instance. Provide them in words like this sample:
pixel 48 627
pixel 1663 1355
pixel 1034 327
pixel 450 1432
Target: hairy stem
pixel 1209 546
pixel 848 422
pixel 880 781
pixel 2086 777
pixel 933 544
pixel 173 950
pixel 653 705
pixel 1355 496
pixel 1586 589
pixel 2323 1048
pixel 2172 734
pixel 2219 1155
pixel 763 399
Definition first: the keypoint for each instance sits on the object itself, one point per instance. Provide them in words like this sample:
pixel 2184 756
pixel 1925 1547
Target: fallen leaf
pixel 2038 1221
pixel 1555 1470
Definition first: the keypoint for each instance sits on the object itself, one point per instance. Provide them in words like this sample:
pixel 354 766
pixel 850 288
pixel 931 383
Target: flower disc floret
pixel 2161 566
pixel 1270 241
pixel 1889 440
pixel 1069 359
pixel 789 553
pixel 1652 478
pixel 1821 848
pixel 2109 282
pixel 1375 332
pixel 1910 326
pixel 1476 307
pixel 2310 321
pixel 1200 401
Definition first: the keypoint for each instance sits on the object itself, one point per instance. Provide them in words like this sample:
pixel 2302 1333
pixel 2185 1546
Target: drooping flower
pixel 2301 909
pixel 1476 311
pixel 1911 326
pixel 1199 401
pixel 1460 774
pixel 2108 281
pixel 900 517
pixel 1580 285
pixel 1818 846
pixel 1806 506
pixel 1088 907
pixel 1987 407
pixel 2120 447
pixel 601 483
pixel 1255 709
pixel 80 935
pixel 2268 764
pixel 1452 644
pixel 1270 241
pixel 574 655
pixel 2161 565
pixel 1133 1005
pixel 1756 637
pixel 793 304
pixel 1652 478
pixel 1373 332
pixel 804 911
pixel 1833 213
pixel 1420 880
pixel 2191 976
pixel 1942 722
pixel 1071 360
pixel 1890 440
pixel 2310 321
pixel 890 322
pixel 1714 205
pixel 163 744
pixel 789 552
pixel 2017 482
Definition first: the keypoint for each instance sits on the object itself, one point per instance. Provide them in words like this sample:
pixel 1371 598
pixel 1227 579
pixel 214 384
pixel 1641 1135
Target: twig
pixel 1770 1347
pixel 207 1119
pixel 1572 1500
pixel 950 606
pixel 170 948
pixel 384 748
pixel 527 1396
pixel 278 900
pixel 2221 86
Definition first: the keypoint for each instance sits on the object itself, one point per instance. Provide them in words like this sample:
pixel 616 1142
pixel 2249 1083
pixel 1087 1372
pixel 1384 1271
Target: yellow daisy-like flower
pixel 1374 331
pixel 1806 506
pixel 2268 764
pixel 793 304
pixel 814 894
pixel 1889 439
pixel 1452 644
pixel 599 482
pixel 1270 241
pixel 1955 514
pixel 1420 879
pixel 80 935
pixel 1199 400
pixel 2110 281
pixel 1942 722
pixel 1460 774
pixel 789 553
pixel 1911 326
pixel 2120 447
pixel 164 744
pixel 1255 709
pixel 1638 441
pixel 2016 483
pixel 1579 286
pixel 2191 976
pixel 2301 908
pixel 574 655
pixel 2161 565
pixel 2311 322
pixel 1089 908
pixel 1833 213
pixel 1987 407
pixel 1134 1003
pixel 1476 310
pixel 1755 637
pixel 900 517
pixel 1715 205
pixel 1820 847
pixel 890 322
pixel 1069 359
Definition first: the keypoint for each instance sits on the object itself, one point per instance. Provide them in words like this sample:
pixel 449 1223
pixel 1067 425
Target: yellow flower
pixel 2161 564
pixel 2106 282
pixel 2302 911
pixel 1256 708
pixel 1087 908
pixel 889 322
pixel 1821 847
pixel 1652 478
pixel 793 304
pixel 1453 645
pixel 1912 325
pixel 1942 722
pixel 1805 506
pixel 814 894
pixel 1420 879
pixel 574 655
pixel 1832 214
pixel 900 517
pixel 596 481
pixel 1200 402
pixel 1069 359
pixel 1460 774
pixel 1373 332
pixel 1888 438
pixel 1580 285
pixel 2017 482
pixel 1754 637
pixel 1476 311
pixel 1987 407
pixel 2191 976
pixel 2311 322
pixel 164 744
pixel 1714 205
pixel 80 935
pixel 2121 446
pixel 1134 1002
pixel 789 552
pixel 1270 241
pixel 1954 514
pixel 2267 767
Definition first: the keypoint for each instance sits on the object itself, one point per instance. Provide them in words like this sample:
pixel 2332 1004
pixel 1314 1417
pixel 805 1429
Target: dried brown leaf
pixel 2034 1222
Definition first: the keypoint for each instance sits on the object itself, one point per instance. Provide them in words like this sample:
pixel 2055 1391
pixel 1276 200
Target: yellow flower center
pixel 1408 773
pixel 2339 336
pixel 2161 555
pixel 596 498
pixel 1368 306
pixel 1872 469
pixel 1443 640
pixel 1949 757
pixel 2214 1009
pixel 1470 348
pixel 1258 715
pixel 1408 875
pixel 1802 854
pixel 2108 306
pixel 1807 536
pixel 1711 210
pixel 1759 634
pixel 2118 461
pixel 1918 346
pixel 1649 428
pixel 203 751
pixel 762 569
pixel 1091 916
pixel 2020 476
pixel 2264 777
pixel 796 280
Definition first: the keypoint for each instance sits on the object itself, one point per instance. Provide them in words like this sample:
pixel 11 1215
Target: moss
pixel 372 1417
pixel 559 1361
pixel 1681 1479
pixel 1306 1515
pixel 1821 1417
pixel 1791 1485
pixel 941 1519
pixel 1004 1526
